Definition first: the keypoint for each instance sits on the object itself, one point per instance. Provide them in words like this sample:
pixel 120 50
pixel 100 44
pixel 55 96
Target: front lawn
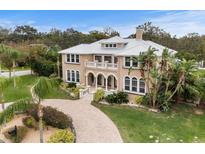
pixel 24 83
pixel 137 125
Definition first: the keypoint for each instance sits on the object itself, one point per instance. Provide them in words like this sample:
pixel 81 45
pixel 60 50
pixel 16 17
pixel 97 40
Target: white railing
pixel 101 65
pixel 84 92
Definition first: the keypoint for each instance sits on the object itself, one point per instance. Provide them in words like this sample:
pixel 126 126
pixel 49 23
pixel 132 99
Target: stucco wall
pixel 120 73
pixel 77 67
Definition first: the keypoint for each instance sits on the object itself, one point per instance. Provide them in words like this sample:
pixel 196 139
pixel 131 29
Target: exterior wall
pixel 122 72
pixel 78 67
pixel 119 73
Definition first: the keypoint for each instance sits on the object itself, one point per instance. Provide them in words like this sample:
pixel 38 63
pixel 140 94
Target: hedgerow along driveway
pixel 91 125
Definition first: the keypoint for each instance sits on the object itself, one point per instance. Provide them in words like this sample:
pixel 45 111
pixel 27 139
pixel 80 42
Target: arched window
pixel 77 76
pixel 142 86
pixel 73 76
pixel 134 84
pixel 68 75
pixel 127 83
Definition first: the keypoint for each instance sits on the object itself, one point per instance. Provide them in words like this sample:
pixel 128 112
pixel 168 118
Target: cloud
pixel 181 23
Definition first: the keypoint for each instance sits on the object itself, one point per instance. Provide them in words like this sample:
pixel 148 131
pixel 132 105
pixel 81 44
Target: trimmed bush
pixel 139 99
pixel 56 118
pixel 33 112
pixel 62 136
pixel 72 85
pixel 29 122
pixel 19 136
pixel 117 98
pixel 99 95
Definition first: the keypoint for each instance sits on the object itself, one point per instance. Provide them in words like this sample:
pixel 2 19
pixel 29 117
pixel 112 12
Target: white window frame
pixel 129 83
pixel 131 63
pixel 110 45
pixel 138 84
pixel 70 57
pixel 75 76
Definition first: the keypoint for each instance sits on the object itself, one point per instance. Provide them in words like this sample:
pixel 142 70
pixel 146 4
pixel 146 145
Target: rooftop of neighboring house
pixel 118 46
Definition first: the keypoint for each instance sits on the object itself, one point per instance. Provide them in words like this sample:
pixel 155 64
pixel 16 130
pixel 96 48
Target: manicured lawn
pixel 17 68
pixel 24 83
pixel 137 125
pixel 201 73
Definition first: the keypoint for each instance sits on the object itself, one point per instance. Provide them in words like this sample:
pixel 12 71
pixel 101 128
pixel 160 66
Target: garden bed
pixel 32 136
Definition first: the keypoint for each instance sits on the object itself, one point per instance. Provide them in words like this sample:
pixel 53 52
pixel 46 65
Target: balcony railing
pixel 101 65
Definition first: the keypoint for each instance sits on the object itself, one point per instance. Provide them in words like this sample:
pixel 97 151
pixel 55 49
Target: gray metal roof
pixel 132 47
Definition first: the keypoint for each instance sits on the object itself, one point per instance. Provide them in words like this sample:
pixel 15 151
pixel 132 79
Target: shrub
pixel 33 112
pixel 29 122
pixel 56 118
pixel 18 136
pixel 118 98
pixel 62 136
pixel 18 107
pixel 72 85
pixel 99 95
pixel 139 99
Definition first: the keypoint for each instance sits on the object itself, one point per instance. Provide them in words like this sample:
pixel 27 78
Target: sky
pixel 177 23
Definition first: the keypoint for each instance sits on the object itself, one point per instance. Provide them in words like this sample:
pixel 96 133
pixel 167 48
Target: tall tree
pixel 40 89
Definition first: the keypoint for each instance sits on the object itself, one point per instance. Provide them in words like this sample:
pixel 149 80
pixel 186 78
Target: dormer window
pixel 111 45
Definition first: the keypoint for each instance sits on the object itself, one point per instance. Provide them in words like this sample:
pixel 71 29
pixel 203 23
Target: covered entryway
pixel 101 81
pixel 112 82
pixel 91 79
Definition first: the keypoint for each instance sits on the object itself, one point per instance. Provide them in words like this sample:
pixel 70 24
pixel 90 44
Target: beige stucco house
pixel 106 64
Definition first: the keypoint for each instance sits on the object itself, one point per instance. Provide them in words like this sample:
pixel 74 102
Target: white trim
pixel 75 74
pixel 138 85
pixel 70 62
pixel 131 63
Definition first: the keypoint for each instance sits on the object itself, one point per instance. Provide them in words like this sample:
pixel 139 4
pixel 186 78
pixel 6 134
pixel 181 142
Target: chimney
pixel 139 33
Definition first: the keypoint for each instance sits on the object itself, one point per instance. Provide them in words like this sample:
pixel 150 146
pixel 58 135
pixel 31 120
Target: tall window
pixel 68 57
pixel 127 61
pixel 77 58
pixel 134 63
pixel 127 83
pixel 68 75
pixel 72 58
pixel 73 76
pixel 142 86
pixel 134 84
pixel 77 76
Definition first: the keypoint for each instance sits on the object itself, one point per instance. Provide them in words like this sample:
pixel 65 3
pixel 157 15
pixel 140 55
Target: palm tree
pixel 3 84
pixel 40 89
pixel 9 56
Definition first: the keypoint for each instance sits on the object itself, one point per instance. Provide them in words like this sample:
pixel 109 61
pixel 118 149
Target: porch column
pixel 113 59
pixel 86 80
pixel 112 82
pixel 106 84
pixel 96 83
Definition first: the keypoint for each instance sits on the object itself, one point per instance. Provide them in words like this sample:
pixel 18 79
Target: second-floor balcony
pixel 101 65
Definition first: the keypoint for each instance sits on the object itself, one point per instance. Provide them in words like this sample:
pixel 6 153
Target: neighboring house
pixel 106 64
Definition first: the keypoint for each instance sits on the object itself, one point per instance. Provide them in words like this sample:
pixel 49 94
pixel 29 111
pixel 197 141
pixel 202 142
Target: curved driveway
pixel 91 125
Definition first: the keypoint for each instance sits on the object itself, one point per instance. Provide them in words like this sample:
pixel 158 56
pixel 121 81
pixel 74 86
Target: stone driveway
pixel 91 125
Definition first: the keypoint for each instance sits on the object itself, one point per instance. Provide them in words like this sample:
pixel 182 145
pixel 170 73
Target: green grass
pixel 17 68
pixel 201 73
pixel 24 83
pixel 138 125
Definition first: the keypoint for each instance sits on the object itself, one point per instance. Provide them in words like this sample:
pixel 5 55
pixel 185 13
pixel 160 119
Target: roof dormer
pixel 114 42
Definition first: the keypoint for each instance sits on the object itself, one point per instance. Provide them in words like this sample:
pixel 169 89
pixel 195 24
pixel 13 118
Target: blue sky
pixel 176 22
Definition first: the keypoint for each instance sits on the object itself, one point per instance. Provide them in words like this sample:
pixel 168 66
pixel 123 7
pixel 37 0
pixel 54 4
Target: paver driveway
pixel 91 125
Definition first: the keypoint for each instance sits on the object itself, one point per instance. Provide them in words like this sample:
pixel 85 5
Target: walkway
pixel 91 125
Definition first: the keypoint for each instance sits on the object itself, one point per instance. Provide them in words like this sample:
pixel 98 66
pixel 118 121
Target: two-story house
pixel 106 64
